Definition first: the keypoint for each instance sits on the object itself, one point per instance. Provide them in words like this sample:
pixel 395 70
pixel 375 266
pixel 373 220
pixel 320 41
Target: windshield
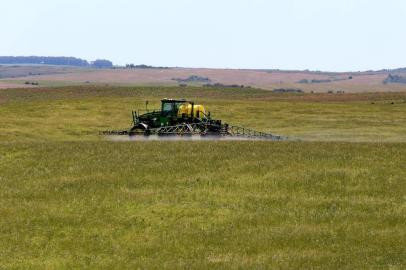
pixel 167 107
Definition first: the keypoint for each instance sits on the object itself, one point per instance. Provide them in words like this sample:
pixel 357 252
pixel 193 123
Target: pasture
pixel 332 197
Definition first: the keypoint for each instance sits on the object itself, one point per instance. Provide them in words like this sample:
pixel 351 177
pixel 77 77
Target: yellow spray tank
pixel 185 110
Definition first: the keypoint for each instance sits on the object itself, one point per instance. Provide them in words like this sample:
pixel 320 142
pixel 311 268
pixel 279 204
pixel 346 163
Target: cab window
pixel 178 104
pixel 167 107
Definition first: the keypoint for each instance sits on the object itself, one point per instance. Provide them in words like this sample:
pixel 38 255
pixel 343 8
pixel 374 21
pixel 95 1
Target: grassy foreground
pixel 70 199
pixel 202 205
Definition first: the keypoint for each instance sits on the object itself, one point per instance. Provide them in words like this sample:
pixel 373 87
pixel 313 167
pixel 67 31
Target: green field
pixel 332 197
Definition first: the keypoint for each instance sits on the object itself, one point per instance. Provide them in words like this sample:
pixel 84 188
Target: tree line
pixel 51 60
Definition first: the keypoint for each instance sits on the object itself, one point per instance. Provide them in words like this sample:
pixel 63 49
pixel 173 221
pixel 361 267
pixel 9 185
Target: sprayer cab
pixel 182 108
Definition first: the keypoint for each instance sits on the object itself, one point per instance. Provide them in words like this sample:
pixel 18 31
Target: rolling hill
pixel 308 81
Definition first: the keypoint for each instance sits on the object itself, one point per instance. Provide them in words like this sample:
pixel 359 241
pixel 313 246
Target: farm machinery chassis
pixel 179 117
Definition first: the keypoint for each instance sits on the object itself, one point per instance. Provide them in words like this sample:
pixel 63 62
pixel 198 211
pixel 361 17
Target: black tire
pixel 139 129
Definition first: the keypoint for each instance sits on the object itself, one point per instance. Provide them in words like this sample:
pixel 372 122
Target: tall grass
pixel 202 205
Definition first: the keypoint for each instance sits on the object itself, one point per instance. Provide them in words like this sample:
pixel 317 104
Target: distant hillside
pixel 18 71
pixel 58 61
pixel 306 81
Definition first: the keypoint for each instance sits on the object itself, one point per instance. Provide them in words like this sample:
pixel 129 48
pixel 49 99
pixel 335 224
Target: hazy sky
pixel 286 34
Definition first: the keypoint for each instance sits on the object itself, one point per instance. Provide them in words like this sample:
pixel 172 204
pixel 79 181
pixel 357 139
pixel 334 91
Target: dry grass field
pixel 15 76
pixel 7 85
pixel 265 79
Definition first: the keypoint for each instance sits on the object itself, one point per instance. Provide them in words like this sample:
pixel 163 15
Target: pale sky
pixel 330 35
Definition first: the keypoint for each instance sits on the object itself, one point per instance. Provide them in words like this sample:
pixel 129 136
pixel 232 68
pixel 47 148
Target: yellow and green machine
pixel 180 117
